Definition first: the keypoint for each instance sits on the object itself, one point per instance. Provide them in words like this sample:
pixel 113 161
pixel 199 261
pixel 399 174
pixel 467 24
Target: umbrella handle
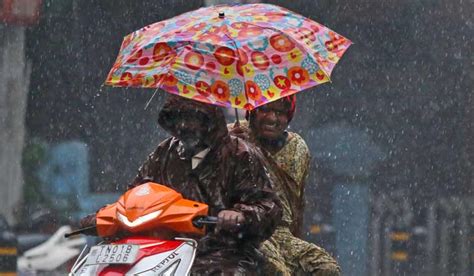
pixel 237 121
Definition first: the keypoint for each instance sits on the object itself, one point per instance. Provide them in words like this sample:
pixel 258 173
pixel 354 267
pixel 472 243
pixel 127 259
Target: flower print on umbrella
pixel 242 59
pixel 157 81
pixel 144 61
pixel 247 71
pixel 281 43
pixel 183 35
pixel 248 13
pixel 140 79
pixel 262 81
pixel 239 68
pixel 335 41
pixel 295 56
pixel 227 72
pixel 125 78
pixel 220 90
pixel 260 18
pixel 193 60
pixel 282 82
pixel 276 59
pixel 236 87
pixel 322 61
pixel 115 73
pixel 294 20
pixel 252 90
pixel 304 35
pixel 274 17
pixel 209 38
pixel 260 60
pixel 203 88
pixel 161 52
pixel 198 27
pixel 319 47
pixel 169 80
pixel 201 74
pixel 218 30
pixel 310 65
pixel 133 80
pixel 332 57
pixel 225 56
pixel 211 67
pixel 321 77
pixel 136 56
pixel 249 32
pixel 240 25
pixel 203 48
pixel 149 81
pixel 242 56
pixel 298 76
pixel 258 44
pixel 183 77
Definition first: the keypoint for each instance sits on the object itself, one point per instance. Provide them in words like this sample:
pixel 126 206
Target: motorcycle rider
pixel 286 253
pixel 204 163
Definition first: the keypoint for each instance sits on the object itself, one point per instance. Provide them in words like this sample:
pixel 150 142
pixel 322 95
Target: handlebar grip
pixel 200 222
pixel 90 230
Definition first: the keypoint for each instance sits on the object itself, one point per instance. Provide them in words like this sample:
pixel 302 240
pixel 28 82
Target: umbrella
pixel 240 56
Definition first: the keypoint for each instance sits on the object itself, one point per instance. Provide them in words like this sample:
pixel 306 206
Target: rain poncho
pixel 231 176
pixel 286 253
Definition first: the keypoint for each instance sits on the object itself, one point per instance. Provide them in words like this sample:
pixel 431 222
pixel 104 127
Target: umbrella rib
pixel 151 98
pixel 240 59
pixel 160 82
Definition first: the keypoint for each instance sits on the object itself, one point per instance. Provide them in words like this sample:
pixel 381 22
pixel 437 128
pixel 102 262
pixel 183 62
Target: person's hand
pixel 87 221
pixel 229 220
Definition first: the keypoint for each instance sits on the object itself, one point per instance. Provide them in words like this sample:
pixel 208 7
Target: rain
pixel 390 186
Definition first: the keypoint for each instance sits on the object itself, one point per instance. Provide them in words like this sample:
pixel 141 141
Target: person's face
pixel 191 128
pixel 270 120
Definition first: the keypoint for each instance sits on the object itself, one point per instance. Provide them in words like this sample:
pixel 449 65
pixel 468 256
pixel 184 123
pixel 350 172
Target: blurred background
pixel 392 137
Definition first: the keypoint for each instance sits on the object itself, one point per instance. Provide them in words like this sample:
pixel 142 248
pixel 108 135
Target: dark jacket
pixel 231 176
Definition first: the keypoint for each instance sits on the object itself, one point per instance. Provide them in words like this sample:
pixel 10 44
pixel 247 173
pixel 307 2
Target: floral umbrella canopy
pixel 239 56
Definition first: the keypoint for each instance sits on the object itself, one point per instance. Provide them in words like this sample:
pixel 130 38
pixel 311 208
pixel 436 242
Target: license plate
pixel 113 254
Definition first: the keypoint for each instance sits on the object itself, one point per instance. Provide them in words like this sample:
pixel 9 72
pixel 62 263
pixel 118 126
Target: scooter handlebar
pixel 200 222
pixel 89 230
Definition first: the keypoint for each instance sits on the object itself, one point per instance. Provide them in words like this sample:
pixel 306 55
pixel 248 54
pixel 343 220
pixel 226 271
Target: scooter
pixel 150 230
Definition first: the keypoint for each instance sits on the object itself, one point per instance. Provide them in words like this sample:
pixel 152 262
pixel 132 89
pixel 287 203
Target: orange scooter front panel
pixel 106 221
pixel 149 207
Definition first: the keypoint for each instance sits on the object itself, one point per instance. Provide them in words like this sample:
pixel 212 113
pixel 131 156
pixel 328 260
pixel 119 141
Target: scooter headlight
pixel 139 220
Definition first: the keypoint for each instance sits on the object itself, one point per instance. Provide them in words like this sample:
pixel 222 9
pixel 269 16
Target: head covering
pixel 291 99
pixel 177 105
